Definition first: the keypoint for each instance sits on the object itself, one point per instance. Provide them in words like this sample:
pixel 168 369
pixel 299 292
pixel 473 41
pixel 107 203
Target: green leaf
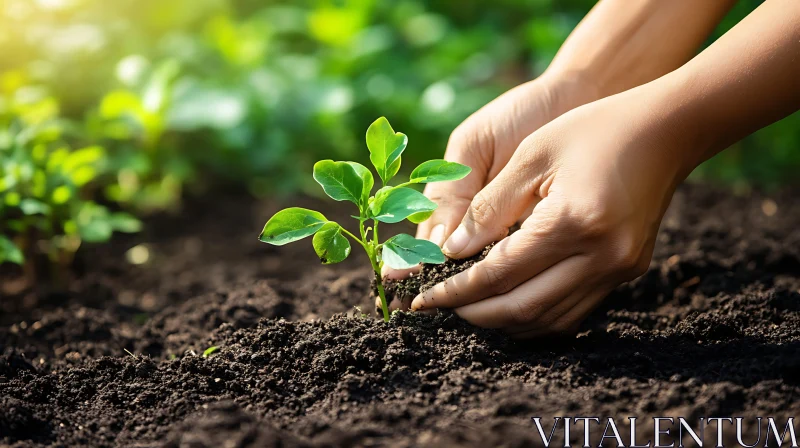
pixel 33 207
pixel 385 147
pixel 93 223
pixel 439 170
pixel 341 180
pixel 367 181
pixel 97 230
pixel 420 217
pixel 117 103
pixel 393 205
pixel 330 245
pixel 125 222
pixel 393 169
pixel 207 352
pixel 81 158
pixel 9 252
pixel 61 195
pixel 404 251
pixel 13 199
pixel 291 224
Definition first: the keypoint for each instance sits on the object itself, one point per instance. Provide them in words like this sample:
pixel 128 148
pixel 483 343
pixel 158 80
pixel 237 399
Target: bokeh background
pixel 110 110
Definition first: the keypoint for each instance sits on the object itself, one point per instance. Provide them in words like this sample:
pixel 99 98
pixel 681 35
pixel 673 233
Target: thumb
pixel 452 203
pixel 466 147
pixel 494 210
pixel 469 147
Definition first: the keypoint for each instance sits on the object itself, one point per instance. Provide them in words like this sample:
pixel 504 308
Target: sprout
pixel 353 182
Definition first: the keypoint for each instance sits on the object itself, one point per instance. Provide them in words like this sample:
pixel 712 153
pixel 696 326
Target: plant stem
pixel 375 241
pixel 371 248
pixel 377 267
pixel 381 291
pixel 356 239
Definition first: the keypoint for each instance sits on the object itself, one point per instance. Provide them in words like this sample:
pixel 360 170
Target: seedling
pixel 210 350
pixel 46 191
pixel 351 181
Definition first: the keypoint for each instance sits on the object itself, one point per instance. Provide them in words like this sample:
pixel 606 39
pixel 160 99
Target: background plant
pixel 351 181
pixel 186 95
pixel 47 184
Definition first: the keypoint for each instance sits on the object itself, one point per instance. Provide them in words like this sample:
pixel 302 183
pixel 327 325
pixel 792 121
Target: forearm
pixel 746 80
pixel 622 44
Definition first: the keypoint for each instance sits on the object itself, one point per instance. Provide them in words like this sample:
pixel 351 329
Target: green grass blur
pixel 261 89
pixel 183 96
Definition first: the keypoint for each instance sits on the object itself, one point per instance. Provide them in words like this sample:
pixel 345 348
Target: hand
pixel 486 141
pixel 599 179
pixel 610 51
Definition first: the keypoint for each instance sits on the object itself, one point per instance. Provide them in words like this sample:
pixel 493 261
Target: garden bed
pixel 712 329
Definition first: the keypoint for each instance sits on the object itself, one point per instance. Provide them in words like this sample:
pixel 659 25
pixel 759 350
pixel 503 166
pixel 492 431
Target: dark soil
pixel 428 276
pixel 712 329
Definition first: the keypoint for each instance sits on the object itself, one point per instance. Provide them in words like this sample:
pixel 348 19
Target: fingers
pixel 436 234
pixel 398 274
pixel 394 304
pixel 558 310
pixel 568 322
pixel 470 145
pixel 494 209
pixel 399 304
pixel 511 262
pixel 531 300
pixel 527 213
pixel 452 205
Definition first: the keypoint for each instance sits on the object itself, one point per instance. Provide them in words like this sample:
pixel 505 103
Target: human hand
pixel 610 51
pixel 486 141
pixel 599 179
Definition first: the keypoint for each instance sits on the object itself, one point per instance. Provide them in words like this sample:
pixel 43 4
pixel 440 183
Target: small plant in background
pixel 210 351
pixel 350 181
pixel 151 170
pixel 47 186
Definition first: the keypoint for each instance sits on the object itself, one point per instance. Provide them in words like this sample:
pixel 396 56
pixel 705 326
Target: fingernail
pixel 418 303
pixel 437 235
pixel 458 241
pixel 385 271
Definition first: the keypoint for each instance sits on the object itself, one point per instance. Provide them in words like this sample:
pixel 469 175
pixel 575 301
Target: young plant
pixel 350 181
pixel 46 189
pixel 135 122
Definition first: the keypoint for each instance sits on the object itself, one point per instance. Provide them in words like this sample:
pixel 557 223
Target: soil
pixel 712 329
pixel 428 276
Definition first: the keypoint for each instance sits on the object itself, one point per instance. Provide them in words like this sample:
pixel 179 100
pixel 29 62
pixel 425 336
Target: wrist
pixel 569 89
pixel 647 132
pixel 681 106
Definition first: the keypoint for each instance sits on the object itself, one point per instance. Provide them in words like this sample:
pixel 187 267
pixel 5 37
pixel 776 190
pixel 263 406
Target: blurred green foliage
pixel 189 94
pixel 46 184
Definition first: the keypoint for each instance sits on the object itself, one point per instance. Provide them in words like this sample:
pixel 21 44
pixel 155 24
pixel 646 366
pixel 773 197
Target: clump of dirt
pixel 428 276
pixel 712 329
